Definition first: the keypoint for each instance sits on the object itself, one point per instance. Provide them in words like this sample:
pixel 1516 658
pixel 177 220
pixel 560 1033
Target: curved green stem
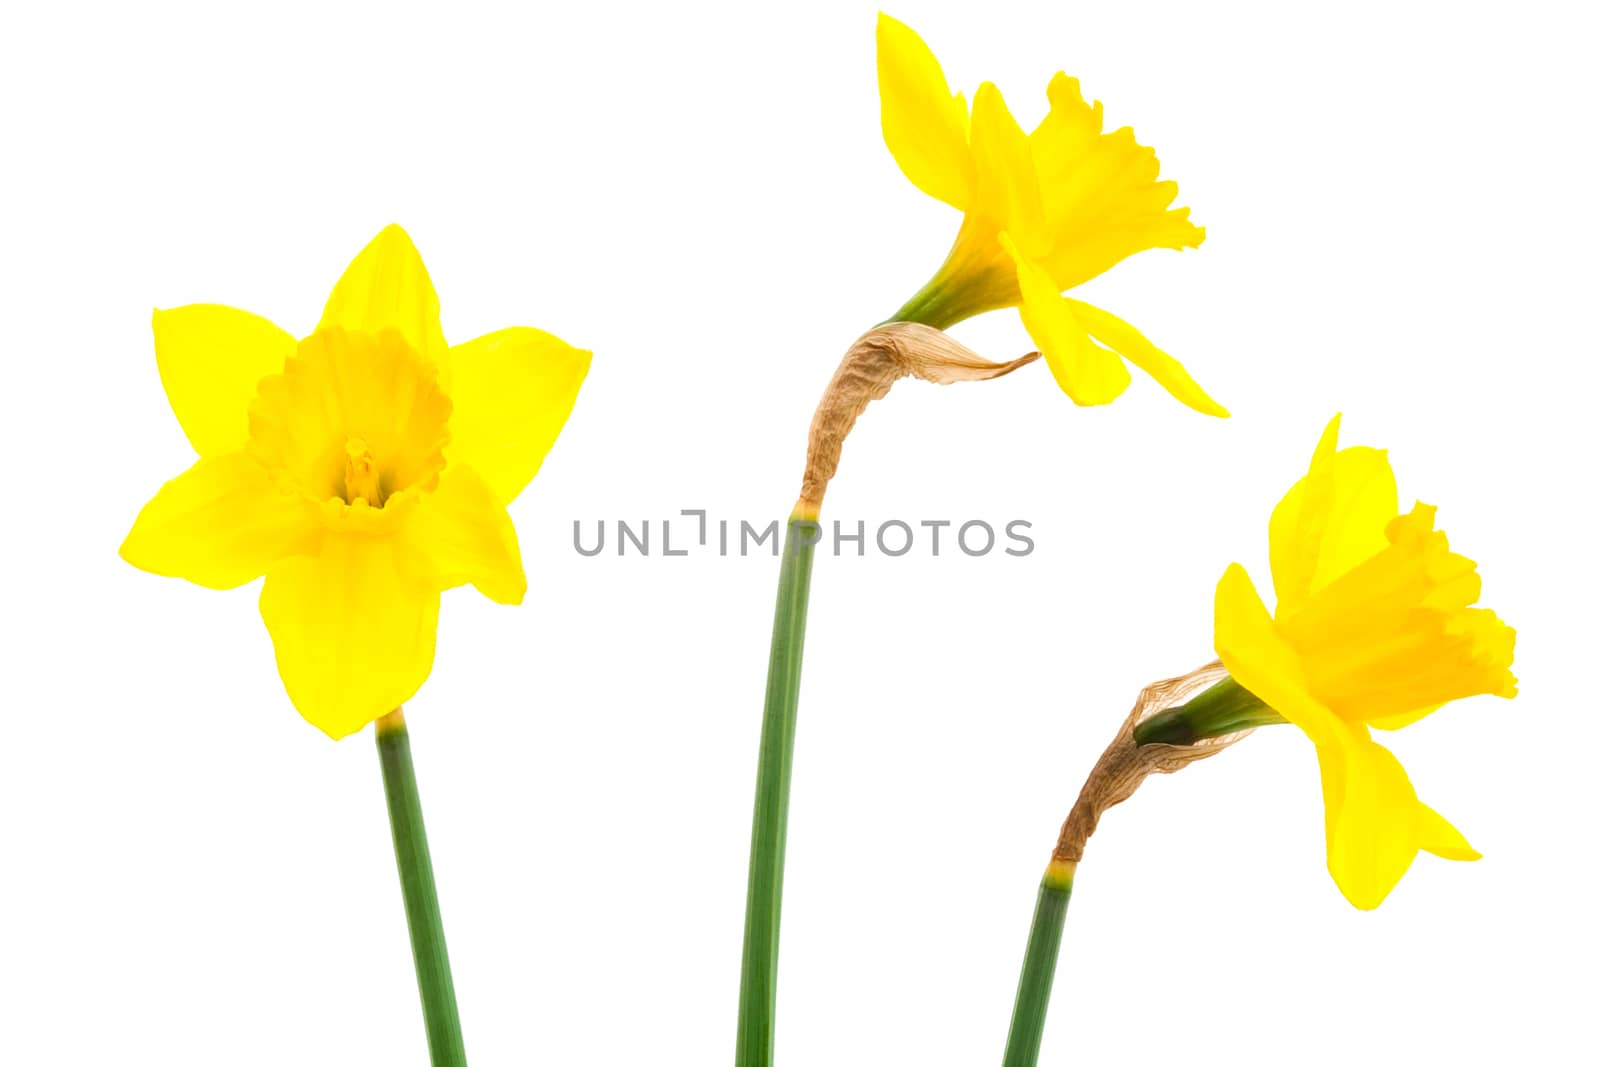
pixel 445 1048
pixel 1039 966
pixel 758 981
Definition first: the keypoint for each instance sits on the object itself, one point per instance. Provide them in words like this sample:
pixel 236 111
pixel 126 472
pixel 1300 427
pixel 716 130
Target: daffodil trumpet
pixel 362 470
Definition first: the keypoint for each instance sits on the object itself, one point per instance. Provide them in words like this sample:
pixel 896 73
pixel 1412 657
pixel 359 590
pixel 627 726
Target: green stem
pixel 445 1048
pixel 758 981
pixel 1039 966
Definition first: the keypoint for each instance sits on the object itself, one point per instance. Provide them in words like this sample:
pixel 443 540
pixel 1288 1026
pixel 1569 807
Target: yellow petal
pixel 1136 349
pixel 1436 835
pixel 1259 659
pixel 1086 372
pixel 1372 815
pixel 1331 520
pixel 353 632
pixel 1370 807
pixel 1368 802
pixel 1396 722
pixel 387 287
pixel 221 523
pixel 1007 189
pixel 460 533
pixel 512 392
pixel 924 125
pixel 211 358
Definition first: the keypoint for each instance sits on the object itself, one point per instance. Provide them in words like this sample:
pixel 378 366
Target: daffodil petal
pixel 211 358
pixel 1369 805
pixel 353 632
pixel 1396 722
pixel 1006 190
pixel 1087 373
pixel 220 524
pixel 1331 520
pixel 1258 658
pixel 387 287
pixel 512 392
pixel 924 124
pixel 1133 346
pixel 460 533
pixel 1372 814
pixel 1436 835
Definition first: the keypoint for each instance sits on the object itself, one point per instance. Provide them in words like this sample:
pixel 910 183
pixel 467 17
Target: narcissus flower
pixel 1044 212
pixel 362 470
pixel 1374 628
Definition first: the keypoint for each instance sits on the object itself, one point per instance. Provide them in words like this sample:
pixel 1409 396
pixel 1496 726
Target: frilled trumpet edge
pixel 878 359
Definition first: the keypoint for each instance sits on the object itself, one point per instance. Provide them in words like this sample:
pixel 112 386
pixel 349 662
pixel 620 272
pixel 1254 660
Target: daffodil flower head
pixel 1374 627
pixel 362 471
pixel 1044 212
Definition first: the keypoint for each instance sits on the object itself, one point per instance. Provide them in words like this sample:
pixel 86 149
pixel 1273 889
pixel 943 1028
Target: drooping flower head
pixel 1044 212
pixel 1373 628
pixel 362 470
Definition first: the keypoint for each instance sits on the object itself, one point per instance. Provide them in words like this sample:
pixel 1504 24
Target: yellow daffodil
pixel 362 470
pixel 1373 628
pixel 1044 212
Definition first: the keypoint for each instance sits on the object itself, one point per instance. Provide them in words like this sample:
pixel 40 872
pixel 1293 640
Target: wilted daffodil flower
pixel 362 470
pixel 1374 628
pixel 1044 212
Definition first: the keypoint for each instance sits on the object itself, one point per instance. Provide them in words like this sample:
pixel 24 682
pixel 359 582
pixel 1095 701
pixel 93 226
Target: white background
pixel 1400 227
